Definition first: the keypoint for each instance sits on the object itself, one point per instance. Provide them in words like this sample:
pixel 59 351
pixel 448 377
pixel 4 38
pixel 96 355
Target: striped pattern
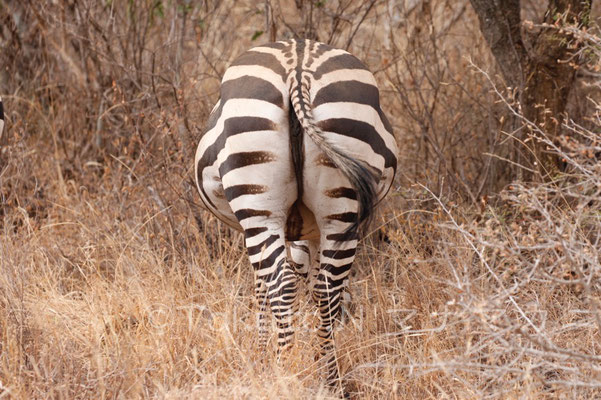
pixel 297 153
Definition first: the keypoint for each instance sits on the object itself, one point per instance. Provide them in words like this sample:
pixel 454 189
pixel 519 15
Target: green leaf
pixel 158 10
pixel 256 35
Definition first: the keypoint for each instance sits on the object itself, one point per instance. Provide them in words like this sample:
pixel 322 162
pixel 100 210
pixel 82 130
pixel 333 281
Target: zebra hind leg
pixel 336 259
pixel 275 284
pixel 300 257
pixel 262 304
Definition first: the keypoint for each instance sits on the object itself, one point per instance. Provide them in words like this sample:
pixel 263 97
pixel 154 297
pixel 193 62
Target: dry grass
pixel 114 285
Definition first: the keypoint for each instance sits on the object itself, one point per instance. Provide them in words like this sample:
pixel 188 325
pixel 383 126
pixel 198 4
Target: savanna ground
pixel 472 284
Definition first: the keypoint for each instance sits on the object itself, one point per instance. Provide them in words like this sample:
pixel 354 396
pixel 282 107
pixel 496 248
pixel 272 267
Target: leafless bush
pixel 524 278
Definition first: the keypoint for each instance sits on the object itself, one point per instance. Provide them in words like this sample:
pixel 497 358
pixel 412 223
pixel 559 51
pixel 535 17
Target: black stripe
pixel 289 289
pixel 285 304
pixel 251 87
pixel 342 237
pixel 1 111
pixel 342 192
pixel 249 212
pixel 361 131
pixel 321 49
pixel 349 91
pixel 268 262
pixel 243 159
pixel 353 92
pixel 310 54
pixel 287 292
pixel 233 126
pixel 343 217
pixel 331 285
pixel 284 335
pixel 336 269
pixel 261 59
pixel 339 254
pixel 326 283
pixel 252 232
pixel 236 191
pixel 341 61
pixel 252 250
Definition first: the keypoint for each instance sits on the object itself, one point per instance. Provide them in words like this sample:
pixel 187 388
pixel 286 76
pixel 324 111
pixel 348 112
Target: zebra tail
pixel 361 176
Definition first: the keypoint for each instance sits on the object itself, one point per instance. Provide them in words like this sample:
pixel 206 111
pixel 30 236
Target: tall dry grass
pixel 113 284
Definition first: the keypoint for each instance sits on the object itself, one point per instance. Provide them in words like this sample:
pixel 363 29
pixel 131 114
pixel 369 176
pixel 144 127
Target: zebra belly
pixel 301 224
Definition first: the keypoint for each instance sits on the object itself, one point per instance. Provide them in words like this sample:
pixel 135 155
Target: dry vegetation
pixel 113 283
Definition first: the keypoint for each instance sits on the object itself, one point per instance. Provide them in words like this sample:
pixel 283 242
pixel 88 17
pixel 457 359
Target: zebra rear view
pixel 297 152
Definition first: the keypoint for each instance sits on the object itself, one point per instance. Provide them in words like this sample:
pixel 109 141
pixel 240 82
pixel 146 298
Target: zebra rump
pixel 360 175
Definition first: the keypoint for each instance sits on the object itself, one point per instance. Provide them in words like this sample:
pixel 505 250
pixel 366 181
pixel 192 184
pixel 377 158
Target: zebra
pixel 296 154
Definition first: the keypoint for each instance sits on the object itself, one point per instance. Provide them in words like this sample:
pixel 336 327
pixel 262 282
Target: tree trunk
pixel 500 24
pixel 542 78
pixel 549 77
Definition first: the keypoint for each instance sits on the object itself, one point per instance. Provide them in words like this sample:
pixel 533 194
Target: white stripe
pixel 361 75
pixel 335 277
pixel 359 112
pixel 326 56
pixel 270 50
pixel 264 253
pixel 238 71
pixel 267 271
pixel 257 239
pixel 239 108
